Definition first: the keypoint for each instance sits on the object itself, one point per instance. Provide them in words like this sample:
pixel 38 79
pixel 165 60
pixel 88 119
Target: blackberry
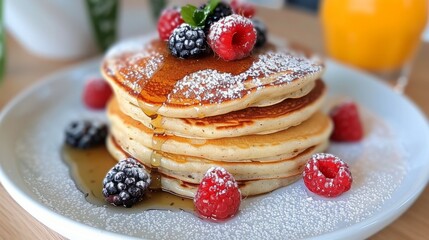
pixel 126 183
pixel 86 134
pixel 222 10
pixel 187 42
pixel 261 33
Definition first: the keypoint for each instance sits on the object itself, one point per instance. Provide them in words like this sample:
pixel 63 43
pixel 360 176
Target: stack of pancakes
pixel 257 117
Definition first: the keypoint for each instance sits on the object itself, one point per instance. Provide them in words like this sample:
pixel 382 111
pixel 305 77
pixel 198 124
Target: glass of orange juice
pixel 380 36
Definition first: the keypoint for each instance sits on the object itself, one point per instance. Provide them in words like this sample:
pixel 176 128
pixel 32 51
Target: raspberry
pixel 347 124
pixel 243 8
pixel 327 175
pixel 86 134
pixel 218 196
pixel 232 37
pixel 222 10
pixel 126 183
pixel 96 93
pixel 187 42
pixel 170 19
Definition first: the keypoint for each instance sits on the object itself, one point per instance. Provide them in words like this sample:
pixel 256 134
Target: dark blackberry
pixel 222 10
pixel 187 42
pixel 126 183
pixel 86 134
pixel 261 33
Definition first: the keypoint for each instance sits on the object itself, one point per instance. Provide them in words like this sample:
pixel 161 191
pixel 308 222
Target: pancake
pixel 181 176
pixel 151 78
pixel 191 169
pixel 253 120
pixel 258 117
pixel 247 188
pixel 249 147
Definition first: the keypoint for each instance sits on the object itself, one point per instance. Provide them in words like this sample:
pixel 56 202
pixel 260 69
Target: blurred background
pixel 383 37
pixel 378 36
pixel 62 29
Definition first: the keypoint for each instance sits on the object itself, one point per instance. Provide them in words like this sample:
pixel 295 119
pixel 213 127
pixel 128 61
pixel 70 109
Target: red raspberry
pixel 347 124
pixel 232 37
pixel 96 93
pixel 218 196
pixel 327 175
pixel 170 19
pixel 243 8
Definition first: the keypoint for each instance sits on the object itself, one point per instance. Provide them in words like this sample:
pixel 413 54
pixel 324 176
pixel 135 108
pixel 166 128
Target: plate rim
pixel 62 224
pixel 35 208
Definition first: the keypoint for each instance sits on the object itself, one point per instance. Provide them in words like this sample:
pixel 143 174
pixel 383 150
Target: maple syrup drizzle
pixel 158 137
pixel 155 90
pixel 89 167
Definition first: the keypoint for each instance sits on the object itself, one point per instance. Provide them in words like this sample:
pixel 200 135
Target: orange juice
pixel 377 35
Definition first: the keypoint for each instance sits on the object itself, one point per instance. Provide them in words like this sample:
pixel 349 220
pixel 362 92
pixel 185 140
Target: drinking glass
pixel 379 36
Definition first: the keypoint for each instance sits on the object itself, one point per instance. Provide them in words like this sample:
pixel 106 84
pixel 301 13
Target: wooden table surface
pixel 23 69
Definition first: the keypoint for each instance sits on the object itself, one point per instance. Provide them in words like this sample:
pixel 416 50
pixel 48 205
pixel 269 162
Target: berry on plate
pixel 218 196
pixel 347 123
pixel 85 134
pixel 170 19
pixel 243 8
pixel 126 183
pixel 327 175
pixel 96 93
pixel 187 42
pixel 232 37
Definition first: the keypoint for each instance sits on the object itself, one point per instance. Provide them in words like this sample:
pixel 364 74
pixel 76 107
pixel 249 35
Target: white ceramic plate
pixel 390 168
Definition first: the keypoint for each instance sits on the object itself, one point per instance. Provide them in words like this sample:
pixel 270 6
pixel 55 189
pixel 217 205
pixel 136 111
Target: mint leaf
pixel 187 13
pixel 199 17
pixel 210 7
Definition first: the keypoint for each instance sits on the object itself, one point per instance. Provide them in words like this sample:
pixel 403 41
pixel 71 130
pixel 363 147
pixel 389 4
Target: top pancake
pixel 161 84
pixel 252 120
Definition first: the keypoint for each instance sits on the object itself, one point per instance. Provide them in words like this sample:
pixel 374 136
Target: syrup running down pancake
pixel 261 147
pixel 193 88
pixel 258 117
pixel 253 120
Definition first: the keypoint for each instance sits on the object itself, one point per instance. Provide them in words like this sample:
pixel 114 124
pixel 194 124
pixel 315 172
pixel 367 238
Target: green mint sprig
pixel 197 17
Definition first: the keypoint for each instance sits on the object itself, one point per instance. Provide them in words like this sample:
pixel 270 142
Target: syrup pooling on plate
pixel 88 168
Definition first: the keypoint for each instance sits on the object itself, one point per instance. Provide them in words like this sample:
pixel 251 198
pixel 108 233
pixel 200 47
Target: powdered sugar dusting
pixel 377 164
pixel 323 156
pixel 215 87
pixel 134 62
pixel 208 85
pixel 218 174
pixel 135 76
pixel 127 58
